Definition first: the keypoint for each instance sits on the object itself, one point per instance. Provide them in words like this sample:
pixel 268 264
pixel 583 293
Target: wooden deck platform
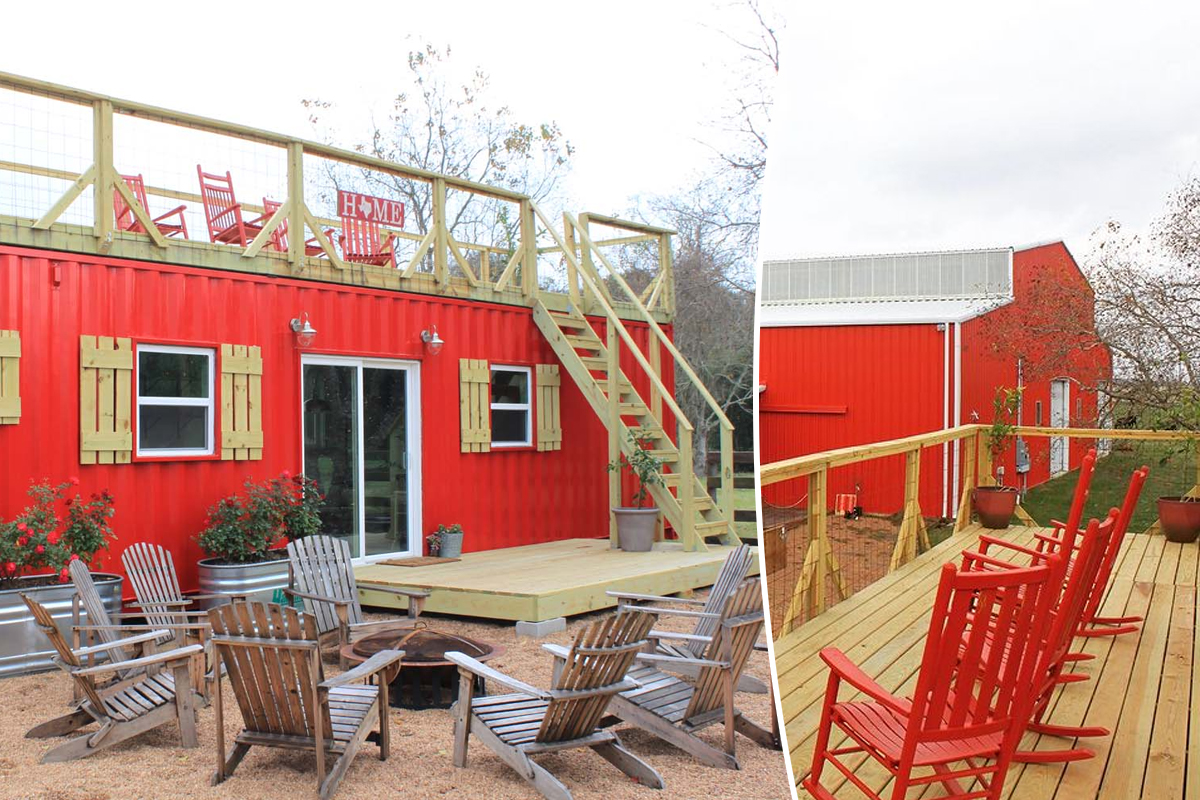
pixel 1143 685
pixel 537 582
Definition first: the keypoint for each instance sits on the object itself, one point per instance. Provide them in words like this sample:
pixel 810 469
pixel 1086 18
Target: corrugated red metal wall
pixel 502 498
pixel 837 386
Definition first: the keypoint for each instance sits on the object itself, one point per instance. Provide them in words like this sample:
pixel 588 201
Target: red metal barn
pixel 863 349
pixel 419 376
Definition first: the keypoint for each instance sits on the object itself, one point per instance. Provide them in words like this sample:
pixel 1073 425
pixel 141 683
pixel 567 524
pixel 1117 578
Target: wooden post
pixel 585 261
pixel 441 236
pixel 529 267
pixel 102 159
pixel 655 355
pixel 613 344
pixel 686 491
pixel 986 478
pixel 666 267
pixel 296 205
pixel 970 453
pixel 727 501
pixel 1195 490
pixel 913 522
pixel 572 272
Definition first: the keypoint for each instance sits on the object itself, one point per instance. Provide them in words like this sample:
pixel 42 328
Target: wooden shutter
pixel 10 377
pixel 241 403
pixel 105 400
pixel 549 422
pixel 475 405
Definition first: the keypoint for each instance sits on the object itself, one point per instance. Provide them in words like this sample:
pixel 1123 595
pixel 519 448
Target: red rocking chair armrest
pixel 846 670
pixel 177 210
pixel 986 541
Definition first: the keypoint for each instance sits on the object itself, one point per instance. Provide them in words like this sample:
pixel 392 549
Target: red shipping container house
pixel 855 350
pixel 439 381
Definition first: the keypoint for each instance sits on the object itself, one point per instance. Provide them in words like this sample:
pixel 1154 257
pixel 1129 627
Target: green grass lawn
pixel 744 498
pixel 1052 500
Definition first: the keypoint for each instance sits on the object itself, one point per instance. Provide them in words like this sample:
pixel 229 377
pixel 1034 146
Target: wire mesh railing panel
pixel 45 143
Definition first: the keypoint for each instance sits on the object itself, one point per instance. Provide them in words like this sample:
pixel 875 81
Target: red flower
pixel 53 538
pixel 10 567
pixel 285 474
pixel 39 549
pixel 74 557
pixel 74 481
pixel 22 541
pixel 21 526
pixel 64 576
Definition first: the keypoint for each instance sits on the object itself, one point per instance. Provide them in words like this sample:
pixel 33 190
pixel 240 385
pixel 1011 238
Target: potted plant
pixel 636 524
pixel 446 541
pixel 996 504
pixel 35 549
pixel 1179 518
pixel 245 535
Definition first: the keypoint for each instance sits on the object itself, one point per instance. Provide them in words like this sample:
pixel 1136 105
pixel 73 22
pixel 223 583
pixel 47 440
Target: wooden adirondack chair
pixel 279 237
pixel 531 721
pixel 223 212
pixel 967 711
pixel 155 689
pixel 273 660
pixel 707 613
pixel 676 710
pixel 126 221
pixel 1073 579
pixel 320 572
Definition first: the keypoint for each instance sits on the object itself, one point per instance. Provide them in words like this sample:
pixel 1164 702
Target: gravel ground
pixel 154 765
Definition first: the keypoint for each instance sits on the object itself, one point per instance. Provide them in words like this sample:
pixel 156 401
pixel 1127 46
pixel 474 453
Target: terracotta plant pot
pixel 635 528
pixel 1179 518
pixel 995 505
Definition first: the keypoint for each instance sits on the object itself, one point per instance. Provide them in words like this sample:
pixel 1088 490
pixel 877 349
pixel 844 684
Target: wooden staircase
pixel 593 365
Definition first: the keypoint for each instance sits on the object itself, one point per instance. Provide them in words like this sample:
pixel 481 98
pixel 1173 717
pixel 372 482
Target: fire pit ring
pixel 425 679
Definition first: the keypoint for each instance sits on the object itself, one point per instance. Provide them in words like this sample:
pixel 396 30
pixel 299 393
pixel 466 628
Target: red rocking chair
pixel 126 221
pixel 279 236
pixel 363 242
pixel 968 711
pixel 223 212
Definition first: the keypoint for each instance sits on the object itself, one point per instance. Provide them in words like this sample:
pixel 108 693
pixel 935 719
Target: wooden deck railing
pixel 439 263
pixel 821 567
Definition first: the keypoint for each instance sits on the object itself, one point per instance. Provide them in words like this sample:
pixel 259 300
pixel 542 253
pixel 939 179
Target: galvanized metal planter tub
pixel 24 648
pixel 259 579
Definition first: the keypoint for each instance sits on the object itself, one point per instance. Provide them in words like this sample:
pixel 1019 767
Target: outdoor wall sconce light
pixel 433 342
pixel 305 332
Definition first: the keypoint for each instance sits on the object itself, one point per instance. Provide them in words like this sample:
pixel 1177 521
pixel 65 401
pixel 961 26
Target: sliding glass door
pixel 362 447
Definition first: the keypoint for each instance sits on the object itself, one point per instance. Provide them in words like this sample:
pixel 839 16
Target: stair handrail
pixel 614 321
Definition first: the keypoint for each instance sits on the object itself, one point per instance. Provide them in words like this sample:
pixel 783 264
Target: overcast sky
pixel 633 84
pixel 935 125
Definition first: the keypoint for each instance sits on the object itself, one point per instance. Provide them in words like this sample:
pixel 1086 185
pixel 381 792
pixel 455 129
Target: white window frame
pixel 527 406
pixel 199 402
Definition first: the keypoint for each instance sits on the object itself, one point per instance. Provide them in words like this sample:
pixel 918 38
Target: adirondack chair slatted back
pixel 67 659
pixel 1112 547
pixel 321 565
pixel 601 655
pixel 732 573
pixel 275 686
pixel 151 572
pixel 745 602
pixel 125 220
pixel 94 610
pixel 279 236
pixel 221 211
pixel 362 242
pixel 981 652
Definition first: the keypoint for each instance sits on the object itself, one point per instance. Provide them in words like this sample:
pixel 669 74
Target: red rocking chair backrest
pixel 1112 545
pixel 981 653
pixel 362 242
pixel 1087 468
pixel 279 236
pixel 125 220
pixel 221 210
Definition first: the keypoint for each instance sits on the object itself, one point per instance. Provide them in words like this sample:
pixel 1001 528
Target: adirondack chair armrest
pixel 679 612
pixel 123 642
pixel 165 657
pixel 687 637
pixel 496 676
pixel 762 647
pixel 556 650
pixel 653 658
pixel 155 603
pixel 419 594
pixel 846 670
pixel 654 598
pixel 161 629
pixel 320 598
pixel 375 664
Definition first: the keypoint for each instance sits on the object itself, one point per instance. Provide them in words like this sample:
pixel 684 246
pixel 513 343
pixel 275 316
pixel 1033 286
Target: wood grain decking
pixel 1141 688
pixel 537 582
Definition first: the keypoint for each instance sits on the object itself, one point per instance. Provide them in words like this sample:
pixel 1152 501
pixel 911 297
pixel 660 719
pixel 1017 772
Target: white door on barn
pixel 1060 403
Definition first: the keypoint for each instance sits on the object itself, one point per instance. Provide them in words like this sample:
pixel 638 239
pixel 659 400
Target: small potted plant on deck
pixel 35 549
pixel 996 504
pixel 636 525
pixel 446 542
pixel 245 535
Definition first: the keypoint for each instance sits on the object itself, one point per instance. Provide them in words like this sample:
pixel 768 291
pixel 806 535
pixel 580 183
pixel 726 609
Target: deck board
pixel 542 581
pixel 1141 685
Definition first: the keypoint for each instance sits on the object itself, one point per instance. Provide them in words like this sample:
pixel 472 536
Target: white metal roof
pixel 876 312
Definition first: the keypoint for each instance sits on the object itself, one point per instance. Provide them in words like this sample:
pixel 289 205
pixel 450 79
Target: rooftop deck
pixel 1142 685
pixel 542 581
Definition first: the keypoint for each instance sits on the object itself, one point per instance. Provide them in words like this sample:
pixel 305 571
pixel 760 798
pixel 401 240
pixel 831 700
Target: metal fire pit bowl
pixel 426 679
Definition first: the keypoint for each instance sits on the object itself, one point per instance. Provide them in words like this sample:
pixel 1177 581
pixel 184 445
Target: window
pixel 1038 414
pixel 511 417
pixel 174 401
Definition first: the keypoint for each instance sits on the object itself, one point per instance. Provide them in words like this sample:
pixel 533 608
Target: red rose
pixel 285 475
pixel 39 549
pixel 22 541
pixel 11 567
pixel 74 481
pixel 21 526
pixel 53 538
pixel 64 576
pixel 74 556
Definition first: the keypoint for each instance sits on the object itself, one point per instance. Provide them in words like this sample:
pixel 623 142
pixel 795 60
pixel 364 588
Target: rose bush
pixel 242 528
pixel 53 531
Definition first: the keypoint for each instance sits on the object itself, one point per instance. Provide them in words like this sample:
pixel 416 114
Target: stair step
pixel 570 321
pixel 596 362
pixel 584 342
pixel 634 410
pixel 665 455
pixel 649 433
pixel 720 526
